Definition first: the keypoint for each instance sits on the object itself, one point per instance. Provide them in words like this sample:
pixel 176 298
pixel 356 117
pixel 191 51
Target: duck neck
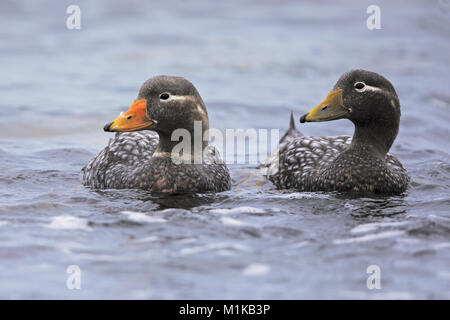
pixel 188 143
pixel 375 137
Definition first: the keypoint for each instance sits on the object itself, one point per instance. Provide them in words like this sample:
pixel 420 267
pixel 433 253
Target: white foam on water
pixel 301 244
pixel 376 225
pixel 173 210
pixel 140 217
pixel 298 195
pixel 350 206
pixel 68 223
pixel 147 239
pixel 434 217
pixel 3 223
pixel 214 246
pixel 256 270
pixel 238 210
pixel 234 222
pixel 370 237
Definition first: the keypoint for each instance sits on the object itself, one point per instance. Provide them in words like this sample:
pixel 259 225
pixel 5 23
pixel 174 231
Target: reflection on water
pixel 252 65
pixel 164 201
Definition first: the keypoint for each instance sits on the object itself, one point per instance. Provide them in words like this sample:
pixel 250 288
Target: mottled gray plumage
pixel 348 164
pixel 142 160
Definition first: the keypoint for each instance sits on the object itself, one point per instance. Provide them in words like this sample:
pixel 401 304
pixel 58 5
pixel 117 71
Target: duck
pixel 160 144
pixel 357 164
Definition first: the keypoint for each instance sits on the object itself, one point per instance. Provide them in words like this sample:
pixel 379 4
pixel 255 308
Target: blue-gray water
pixel 253 62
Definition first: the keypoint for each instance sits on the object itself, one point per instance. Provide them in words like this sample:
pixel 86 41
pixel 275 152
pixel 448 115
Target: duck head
pixel 164 104
pixel 368 100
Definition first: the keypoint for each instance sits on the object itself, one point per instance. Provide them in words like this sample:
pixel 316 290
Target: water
pixel 252 62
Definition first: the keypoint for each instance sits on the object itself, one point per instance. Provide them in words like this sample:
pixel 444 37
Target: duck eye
pixel 164 96
pixel 359 85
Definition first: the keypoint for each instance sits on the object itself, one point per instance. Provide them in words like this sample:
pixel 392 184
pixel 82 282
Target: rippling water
pixel 253 62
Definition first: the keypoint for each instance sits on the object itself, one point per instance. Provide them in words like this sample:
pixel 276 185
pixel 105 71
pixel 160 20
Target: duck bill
pixel 332 108
pixel 136 118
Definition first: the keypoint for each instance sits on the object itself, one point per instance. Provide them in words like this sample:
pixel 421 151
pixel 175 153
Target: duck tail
pixel 292 132
pixel 292 122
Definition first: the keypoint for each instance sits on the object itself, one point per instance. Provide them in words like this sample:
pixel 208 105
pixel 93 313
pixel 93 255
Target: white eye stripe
pixel 368 88
pixel 178 98
pixel 371 88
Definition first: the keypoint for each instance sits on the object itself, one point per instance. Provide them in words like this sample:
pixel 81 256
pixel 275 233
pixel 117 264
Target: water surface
pixel 253 62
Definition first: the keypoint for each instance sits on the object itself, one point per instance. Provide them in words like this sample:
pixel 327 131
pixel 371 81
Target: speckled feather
pixel 128 162
pixel 324 164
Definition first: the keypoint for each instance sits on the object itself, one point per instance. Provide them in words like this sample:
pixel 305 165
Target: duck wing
pixel 299 160
pixel 124 155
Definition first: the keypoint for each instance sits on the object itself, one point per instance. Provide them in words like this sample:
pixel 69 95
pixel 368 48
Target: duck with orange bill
pixel 141 155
